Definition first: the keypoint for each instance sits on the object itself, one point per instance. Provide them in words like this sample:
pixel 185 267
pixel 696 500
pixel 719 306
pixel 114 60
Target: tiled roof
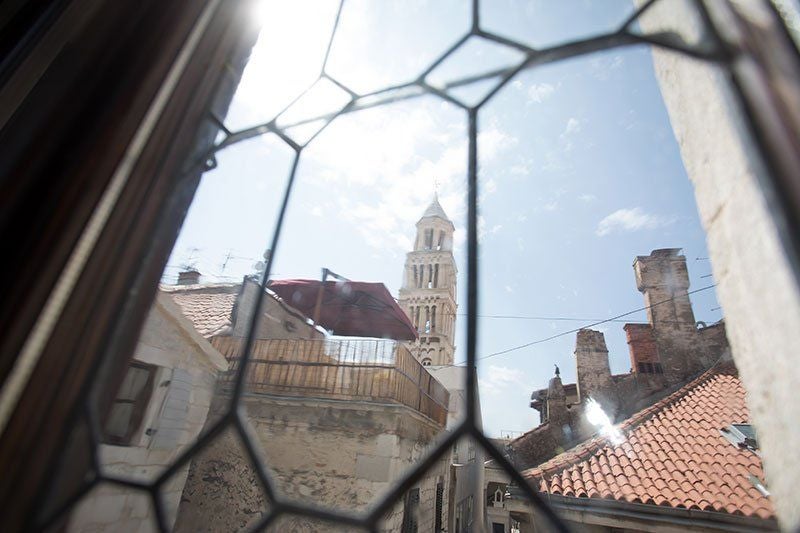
pixel 208 307
pixel 435 210
pixel 672 454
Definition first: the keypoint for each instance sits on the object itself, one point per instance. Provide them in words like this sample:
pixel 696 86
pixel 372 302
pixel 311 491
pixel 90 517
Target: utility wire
pixel 554 318
pixel 564 333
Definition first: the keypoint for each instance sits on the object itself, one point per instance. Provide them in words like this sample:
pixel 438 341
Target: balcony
pixel 347 369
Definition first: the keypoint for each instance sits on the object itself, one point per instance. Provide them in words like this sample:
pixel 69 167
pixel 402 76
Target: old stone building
pixel 339 407
pixel 689 462
pixel 428 292
pixel 665 447
pixel 665 353
pixel 160 409
pixel 339 418
pixel 428 296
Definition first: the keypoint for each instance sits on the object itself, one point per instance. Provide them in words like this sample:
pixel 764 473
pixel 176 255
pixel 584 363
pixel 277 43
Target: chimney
pixel 591 359
pixel 663 278
pixel 643 349
pixel 556 403
pixel 189 277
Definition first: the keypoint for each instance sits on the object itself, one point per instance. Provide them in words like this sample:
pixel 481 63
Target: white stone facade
pixel 186 368
pixel 755 284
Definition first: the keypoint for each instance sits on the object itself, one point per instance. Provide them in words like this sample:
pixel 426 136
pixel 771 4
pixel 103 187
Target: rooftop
pixel 672 454
pixel 435 210
pixel 207 306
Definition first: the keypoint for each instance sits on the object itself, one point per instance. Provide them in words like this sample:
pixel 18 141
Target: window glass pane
pixel 119 420
pixel 379 44
pixel 541 24
pixel 135 381
pixel 345 364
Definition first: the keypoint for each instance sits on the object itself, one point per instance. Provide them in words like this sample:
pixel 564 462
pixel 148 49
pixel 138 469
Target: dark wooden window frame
pixel 140 404
pixel 115 125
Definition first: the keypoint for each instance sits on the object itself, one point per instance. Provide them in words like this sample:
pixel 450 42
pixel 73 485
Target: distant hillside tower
pixel 428 292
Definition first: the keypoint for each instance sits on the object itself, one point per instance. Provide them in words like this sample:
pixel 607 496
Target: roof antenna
pixel 436 187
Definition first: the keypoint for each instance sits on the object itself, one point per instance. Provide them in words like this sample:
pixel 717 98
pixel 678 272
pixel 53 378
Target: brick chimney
pixel 591 360
pixel 189 277
pixel 643 349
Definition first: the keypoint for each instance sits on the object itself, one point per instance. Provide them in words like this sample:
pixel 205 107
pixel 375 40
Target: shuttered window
pixel 128 408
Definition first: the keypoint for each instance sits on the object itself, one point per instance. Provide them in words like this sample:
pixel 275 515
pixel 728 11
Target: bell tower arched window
pixel 427 319
pixel 429 239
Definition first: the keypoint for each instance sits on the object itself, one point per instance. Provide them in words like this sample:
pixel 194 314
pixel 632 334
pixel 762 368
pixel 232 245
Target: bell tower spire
pixel 428 292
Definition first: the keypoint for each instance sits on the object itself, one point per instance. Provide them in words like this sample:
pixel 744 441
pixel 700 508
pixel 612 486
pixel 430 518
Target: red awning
pixel 349 308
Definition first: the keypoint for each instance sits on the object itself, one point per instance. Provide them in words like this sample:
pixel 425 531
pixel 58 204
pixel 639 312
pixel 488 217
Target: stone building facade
pixel 334 418
pixel 756 280
pixel 428 296
pixel 336 454
pixel 665 353
pixel 171 383
pixel 428 292
pixel 337 420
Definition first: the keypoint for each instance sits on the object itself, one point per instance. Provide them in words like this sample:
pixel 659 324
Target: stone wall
pixel 184 385
pixel 756 286
pixel 594 373
pixel 326 452
pixel 663 278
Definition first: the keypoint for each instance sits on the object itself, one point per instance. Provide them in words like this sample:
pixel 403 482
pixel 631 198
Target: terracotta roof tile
pixel 673 455
pixel 208 307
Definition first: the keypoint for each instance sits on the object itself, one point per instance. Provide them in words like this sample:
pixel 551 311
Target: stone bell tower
pixel 428 292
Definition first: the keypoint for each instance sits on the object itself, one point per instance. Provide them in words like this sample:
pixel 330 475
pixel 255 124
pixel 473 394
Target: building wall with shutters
pixel 185 373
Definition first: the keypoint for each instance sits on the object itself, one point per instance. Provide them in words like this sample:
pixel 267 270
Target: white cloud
pixel 631 220
pixel 550 206
pixel 501 379
pixel 509 289
pixel 385 163
pixel 603 65
pixel 520 169
pixel 483 231
pixel 316 211
pixel 492 140
pixel 555 162
pixel 538 92
pixel 573 126
pixel 587 198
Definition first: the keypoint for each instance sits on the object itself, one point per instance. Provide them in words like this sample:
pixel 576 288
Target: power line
pixel 564 333
pixel 544 318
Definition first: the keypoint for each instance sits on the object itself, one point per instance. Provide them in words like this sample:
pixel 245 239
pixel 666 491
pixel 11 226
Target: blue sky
pixel 579 173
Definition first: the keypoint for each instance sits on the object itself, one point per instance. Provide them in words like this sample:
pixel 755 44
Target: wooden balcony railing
pixel 343 369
